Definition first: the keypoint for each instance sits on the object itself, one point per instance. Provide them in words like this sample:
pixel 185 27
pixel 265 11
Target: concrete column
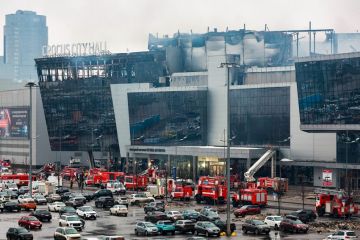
pixel 127 163
pixel 273 166
pixel 148 161
pixel 248 163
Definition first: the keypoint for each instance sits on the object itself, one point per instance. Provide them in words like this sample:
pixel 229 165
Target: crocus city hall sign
pixel 75 49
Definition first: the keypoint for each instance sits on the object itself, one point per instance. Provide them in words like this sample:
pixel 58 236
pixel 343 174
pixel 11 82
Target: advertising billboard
pixel 14 122
pixel 327 178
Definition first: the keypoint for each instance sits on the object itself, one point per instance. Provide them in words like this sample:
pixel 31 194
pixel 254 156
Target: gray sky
pixel 125 24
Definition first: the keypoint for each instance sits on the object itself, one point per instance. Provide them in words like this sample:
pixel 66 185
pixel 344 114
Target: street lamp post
pixel 228 66
pixel 30 85
pixel 279 193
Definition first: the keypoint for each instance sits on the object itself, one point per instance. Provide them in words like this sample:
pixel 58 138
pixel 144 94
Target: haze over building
pixel 25 33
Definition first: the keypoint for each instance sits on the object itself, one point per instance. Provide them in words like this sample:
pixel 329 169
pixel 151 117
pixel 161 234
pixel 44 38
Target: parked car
pixel 342 235
pixel 70 221
pixel 27 205
pixel 61 190
pixel 208 216
pixel 191 215
pixel 119 210
pixel 273 221
pixel 23 190
pixel 304 215
pixel 222 225
pixel 122 201
pixel 24 197
pixel 293 225
pixel 104 202
pixel 102 193
pixel 155 216
pixel 136 199
pixel 29 222
pixel 154 206
pixel 67 209
pixel 196 238
pixel 88 196
pixel 11 206
pixel 247 210
pixel 165 227
pixel 65 196
pixel 255 226
pixel 76 202
pixel 19 233
pixel 185 226
pixel 207 228
pixel 55 206
pixel 146 228
pixel 4 197
pixel 42 215
pixel 12 194
pixel 39 199
pixel 86 212
pixel 174 215
pixel 66 233
pixel 112 238
pixel 53 198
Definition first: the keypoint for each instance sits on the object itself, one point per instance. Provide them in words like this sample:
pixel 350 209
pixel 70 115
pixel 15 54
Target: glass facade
pixel 260 116
pixel 329 91
pixel 168 118
pixel 348 146
pixel 76 96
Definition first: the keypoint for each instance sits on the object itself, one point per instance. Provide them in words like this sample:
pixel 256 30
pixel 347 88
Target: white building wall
pixel 308 146
pixel 217 78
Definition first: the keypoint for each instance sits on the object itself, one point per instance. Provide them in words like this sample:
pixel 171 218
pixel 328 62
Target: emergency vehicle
pixel 135 182
pixel 211 190
pixel 21 179
pixel 336 203
pixel 104 177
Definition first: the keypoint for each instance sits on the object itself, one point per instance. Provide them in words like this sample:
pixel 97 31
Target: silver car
pixel 146 228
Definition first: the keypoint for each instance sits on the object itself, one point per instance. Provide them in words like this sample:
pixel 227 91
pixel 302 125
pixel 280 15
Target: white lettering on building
pixel 75 49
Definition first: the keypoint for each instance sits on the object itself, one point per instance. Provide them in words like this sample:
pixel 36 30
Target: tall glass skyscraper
pixel 25 33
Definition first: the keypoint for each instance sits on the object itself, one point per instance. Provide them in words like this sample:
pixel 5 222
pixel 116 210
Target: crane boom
pixel 249 174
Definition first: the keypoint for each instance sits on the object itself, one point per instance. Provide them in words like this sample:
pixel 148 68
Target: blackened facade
pixel 260 116
pixel 329 92
pixel 77 99
pixel 168 118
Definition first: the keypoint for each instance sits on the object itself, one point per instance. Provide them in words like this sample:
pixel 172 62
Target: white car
pixel 25 198
pixel 55 206
pixel 66 233
pixel 119 210
pixel 174 215
pixel 135 199
pixel 70 221
pixel 86 212
pixel 273 221
pixel 11 186
pixel 342 235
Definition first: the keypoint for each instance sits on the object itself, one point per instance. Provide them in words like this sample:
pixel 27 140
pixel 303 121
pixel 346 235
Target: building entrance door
pixel 217 169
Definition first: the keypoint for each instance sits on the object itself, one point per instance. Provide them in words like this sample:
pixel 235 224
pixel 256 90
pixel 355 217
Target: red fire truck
pixel 252 196
pixel 273 184
pixel 104 177
pixel 182 192
pixel 335 203
pixel 21 179
pixel 135 182
pixel 211 190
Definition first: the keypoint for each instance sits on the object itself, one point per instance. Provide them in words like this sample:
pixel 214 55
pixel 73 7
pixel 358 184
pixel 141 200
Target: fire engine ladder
pixel 249 174
pixel 329 191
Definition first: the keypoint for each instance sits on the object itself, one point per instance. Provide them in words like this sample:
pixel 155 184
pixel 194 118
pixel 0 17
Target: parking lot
pixel 107 224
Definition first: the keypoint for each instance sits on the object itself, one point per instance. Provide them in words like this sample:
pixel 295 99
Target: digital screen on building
pixel 14 122
pixel 260 116
pixel 329 92
pixel 168 118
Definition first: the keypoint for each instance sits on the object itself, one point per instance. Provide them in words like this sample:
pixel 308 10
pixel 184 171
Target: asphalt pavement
pixel 107 224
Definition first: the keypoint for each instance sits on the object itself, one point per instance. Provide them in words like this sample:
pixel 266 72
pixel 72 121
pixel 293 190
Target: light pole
pixel 30 85
pixel 228 66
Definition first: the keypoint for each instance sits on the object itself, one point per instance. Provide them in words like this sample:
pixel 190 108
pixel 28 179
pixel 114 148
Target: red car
pixel 29 222
pixel 293 225
pixel 247 210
